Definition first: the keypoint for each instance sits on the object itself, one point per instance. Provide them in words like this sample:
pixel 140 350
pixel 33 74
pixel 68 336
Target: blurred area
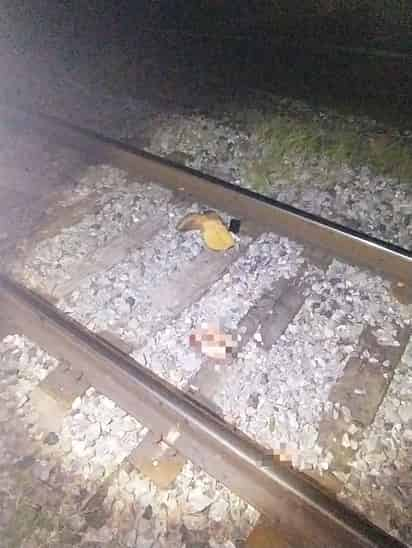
pixel 354 55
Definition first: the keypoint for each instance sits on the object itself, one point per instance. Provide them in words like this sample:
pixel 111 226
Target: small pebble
pixel 148 512
pixel 345 440
pixel 51 439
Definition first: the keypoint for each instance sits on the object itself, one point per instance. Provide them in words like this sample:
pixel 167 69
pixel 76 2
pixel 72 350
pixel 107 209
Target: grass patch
pixel 291 145
pixel 33 524
pixel 28 519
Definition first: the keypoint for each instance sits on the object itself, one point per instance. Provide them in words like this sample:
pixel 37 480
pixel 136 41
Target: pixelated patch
pixel 283 454
pixel 211 341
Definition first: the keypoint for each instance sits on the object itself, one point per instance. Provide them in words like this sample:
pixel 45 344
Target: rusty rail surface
pixel 340 241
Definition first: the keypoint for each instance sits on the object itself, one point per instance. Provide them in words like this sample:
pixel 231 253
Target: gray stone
pixel 197 501
pixel 82 449
pixel 131 539
pixel 195 522
pixel 123 478
pixel 42 470
pixel 51 439
pixel 405 412
pixel 102 535
pixel 66 445
pixel 77 522
pixel 26 462
pixel 148 512
pixel 137 486
pixel 218 510
pixel 92 433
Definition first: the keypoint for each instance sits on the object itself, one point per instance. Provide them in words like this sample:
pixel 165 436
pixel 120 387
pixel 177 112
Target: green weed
pixel 290 145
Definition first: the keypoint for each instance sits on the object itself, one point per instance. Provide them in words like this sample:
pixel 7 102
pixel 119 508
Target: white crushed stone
pixel 93 442
pixel 208 144
pixel 23 365
pixel 121 297
pixel 100 434
pixel 376 205
pixel 97 181
pixel 266 260
pixel 292 381
pixel 195 507
pixel 379 483
pixel 96 432
pixel 120 207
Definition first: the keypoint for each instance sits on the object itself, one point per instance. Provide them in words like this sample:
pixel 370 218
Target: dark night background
pixel 356 55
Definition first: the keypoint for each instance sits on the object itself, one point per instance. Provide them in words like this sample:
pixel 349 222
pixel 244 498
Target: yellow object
pixel 192 221
pixel 215 234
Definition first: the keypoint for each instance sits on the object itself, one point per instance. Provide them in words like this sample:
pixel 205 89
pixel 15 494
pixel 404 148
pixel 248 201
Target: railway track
pixel 320 315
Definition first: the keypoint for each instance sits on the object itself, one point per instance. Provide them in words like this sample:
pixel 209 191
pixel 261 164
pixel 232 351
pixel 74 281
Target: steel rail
pixel 340 241
pixel 307 516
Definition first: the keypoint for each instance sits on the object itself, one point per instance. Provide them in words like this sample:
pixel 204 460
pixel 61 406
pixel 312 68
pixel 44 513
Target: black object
pixel 234 226
pixel 51 439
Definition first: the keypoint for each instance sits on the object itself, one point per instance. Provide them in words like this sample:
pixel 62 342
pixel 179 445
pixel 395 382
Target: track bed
pixel 321 376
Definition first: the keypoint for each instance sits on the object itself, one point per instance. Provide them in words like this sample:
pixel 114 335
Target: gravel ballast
pixel 75 487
